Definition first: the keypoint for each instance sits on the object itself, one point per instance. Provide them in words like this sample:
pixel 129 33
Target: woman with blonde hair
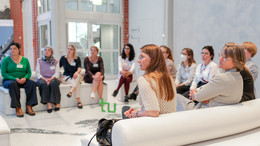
pixel 156 87
pixel 225 88
pixel 250 51
pixel 72 68
pixel 47 74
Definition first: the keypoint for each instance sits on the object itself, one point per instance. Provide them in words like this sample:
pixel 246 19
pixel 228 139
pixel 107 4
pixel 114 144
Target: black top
pixel 93 68
pixel 69 69
pixel 248 86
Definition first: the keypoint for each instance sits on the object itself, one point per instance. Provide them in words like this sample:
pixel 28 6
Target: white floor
pixel 63 128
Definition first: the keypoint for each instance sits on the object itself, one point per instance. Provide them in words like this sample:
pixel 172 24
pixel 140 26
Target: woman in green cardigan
pixel 16 73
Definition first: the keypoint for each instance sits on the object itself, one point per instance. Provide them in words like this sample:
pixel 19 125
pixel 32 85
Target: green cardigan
pixel 10 71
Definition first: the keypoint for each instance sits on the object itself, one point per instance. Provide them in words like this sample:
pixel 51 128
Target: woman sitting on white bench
pixel 156 87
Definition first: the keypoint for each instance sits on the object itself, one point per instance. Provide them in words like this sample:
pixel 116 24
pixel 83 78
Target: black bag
pixel 104 131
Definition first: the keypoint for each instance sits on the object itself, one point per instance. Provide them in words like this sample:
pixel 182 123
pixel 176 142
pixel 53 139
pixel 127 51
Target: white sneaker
pixel 92 95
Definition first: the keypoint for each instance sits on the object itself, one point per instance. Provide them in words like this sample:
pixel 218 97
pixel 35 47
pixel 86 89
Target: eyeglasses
pixel 127 48
pixel 204 53
pixel 224 58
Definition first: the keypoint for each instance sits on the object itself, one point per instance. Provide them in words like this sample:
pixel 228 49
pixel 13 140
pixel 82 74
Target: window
pixel 44 36
pixel 115 6
pixel 86 5
pixel 104 36
pixel 78 36
pixel 72 4
pixel 102 7
pixel 43 6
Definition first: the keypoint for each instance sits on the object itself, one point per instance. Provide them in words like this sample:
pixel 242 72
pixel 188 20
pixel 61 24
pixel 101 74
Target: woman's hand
pixel 21 81
pixel 75 75
pixel 192 94
pixel 129 112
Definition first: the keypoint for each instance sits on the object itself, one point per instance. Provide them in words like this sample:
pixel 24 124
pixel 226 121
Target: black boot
pixel 115 93
pixel 132 96
pixel 126 100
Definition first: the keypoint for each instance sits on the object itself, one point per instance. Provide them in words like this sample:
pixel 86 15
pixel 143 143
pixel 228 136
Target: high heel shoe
pixel 49 110
pixel 80 105
pixel 69 95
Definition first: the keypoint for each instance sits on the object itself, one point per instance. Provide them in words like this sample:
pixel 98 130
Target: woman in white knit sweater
pixel 156 87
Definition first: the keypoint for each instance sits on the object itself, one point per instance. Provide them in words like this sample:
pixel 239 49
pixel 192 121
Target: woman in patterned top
pixel 156 87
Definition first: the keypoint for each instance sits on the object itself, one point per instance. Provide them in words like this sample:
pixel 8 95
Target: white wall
pixel 146 24
pixel 196 23
pixel 202 22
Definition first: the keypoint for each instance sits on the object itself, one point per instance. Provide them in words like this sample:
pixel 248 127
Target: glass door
pixel 105 36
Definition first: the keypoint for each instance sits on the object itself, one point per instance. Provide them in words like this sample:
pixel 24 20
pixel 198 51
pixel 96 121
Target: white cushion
pixel 187 127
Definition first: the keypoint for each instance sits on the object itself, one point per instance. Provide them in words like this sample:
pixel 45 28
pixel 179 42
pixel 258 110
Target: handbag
pixel 104 131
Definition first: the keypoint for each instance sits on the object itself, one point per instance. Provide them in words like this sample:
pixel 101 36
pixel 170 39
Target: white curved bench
pixel 187 127
pixel 4 133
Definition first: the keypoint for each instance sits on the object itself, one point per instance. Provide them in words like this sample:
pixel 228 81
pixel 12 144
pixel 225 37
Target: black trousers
pixel 51 93
pixel 14 91
pixel 183 90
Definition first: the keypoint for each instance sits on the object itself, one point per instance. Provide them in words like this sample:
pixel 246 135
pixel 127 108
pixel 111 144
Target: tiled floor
pixel 63 128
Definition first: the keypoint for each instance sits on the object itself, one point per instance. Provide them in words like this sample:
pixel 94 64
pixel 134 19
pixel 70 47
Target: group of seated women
pixel 157 88
pixel 204 84
pixel 16 73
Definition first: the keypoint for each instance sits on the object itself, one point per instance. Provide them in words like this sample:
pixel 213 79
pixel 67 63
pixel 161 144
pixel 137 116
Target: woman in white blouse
pixel 186 71
pixel 204 71
pixel 126 65
pixel 156 87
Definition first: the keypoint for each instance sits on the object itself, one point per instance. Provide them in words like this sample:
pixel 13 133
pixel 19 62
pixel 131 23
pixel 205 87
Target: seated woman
pixel 94 72
pixel 16 72
pixel 47 74
pixel 186 71
pixel 156 87
pixel 224 88
pixel 72 68
pixel 204 71
pixel 250 51
pixel 126 65
pixel 167 54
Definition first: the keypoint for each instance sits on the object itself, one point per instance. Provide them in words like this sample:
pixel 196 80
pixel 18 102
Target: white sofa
pixel 4 133
pixel 187 127
pixel 85 90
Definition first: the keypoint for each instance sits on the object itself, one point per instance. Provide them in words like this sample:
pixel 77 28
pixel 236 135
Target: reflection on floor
pixel 63 128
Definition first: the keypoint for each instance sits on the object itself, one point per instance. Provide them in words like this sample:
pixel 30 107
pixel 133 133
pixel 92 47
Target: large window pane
pixel 78 36
pixel 110 62
pixel 44 35
pixel 72 4
pixel 102 7
pixel 86 5
pixel 115 6
pixel 108 34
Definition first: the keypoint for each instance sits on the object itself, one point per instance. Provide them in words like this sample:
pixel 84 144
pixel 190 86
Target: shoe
pixel 56 109
pixel 49 110
pixel 69 95
pixel 80 105
pixel 115 93
pixel 19 112
pixel 92 95
pixel 132 96
pixel 126 100
pixel 29 110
